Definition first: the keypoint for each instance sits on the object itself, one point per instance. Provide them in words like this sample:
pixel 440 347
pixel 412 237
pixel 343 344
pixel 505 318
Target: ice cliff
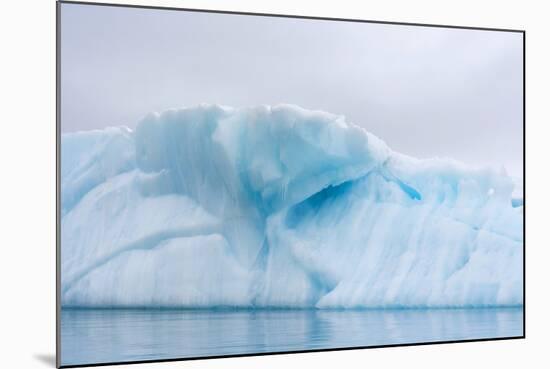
pixel 279 207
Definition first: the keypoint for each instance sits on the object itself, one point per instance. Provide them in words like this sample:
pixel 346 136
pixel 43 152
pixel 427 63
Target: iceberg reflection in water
pixel 104 335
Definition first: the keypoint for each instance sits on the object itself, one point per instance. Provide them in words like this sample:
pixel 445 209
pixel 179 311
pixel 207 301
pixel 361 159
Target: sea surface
pixel 91 336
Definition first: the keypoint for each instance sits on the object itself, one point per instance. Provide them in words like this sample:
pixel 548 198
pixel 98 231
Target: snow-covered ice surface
pixel 279 206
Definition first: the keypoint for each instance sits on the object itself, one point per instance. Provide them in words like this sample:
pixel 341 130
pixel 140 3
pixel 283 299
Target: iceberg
pixel 279 207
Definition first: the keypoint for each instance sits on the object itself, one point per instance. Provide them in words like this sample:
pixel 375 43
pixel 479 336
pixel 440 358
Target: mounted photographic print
pixel 236 184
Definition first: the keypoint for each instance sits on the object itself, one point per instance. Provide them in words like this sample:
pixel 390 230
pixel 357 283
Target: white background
pixel 27 192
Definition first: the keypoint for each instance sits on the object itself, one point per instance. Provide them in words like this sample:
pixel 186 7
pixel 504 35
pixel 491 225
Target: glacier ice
pixel 279 207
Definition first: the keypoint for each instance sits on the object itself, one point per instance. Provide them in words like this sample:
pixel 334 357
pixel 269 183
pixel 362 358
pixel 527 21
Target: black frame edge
pixel 524 188
pixel 294 352
pixel 57 183
pixel 278 15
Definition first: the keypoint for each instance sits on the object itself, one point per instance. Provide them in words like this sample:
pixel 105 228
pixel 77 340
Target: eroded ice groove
pixel 279 207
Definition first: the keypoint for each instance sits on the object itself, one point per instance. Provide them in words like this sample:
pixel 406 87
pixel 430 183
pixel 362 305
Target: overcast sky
pixel 425 91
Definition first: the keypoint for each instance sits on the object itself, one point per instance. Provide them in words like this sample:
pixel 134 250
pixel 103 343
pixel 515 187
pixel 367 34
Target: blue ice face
pixel 280 207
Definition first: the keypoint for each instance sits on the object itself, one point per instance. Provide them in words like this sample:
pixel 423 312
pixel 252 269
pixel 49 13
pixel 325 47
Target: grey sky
pixel 425 91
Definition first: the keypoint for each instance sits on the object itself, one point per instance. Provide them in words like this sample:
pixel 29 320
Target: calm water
pixel 95 336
